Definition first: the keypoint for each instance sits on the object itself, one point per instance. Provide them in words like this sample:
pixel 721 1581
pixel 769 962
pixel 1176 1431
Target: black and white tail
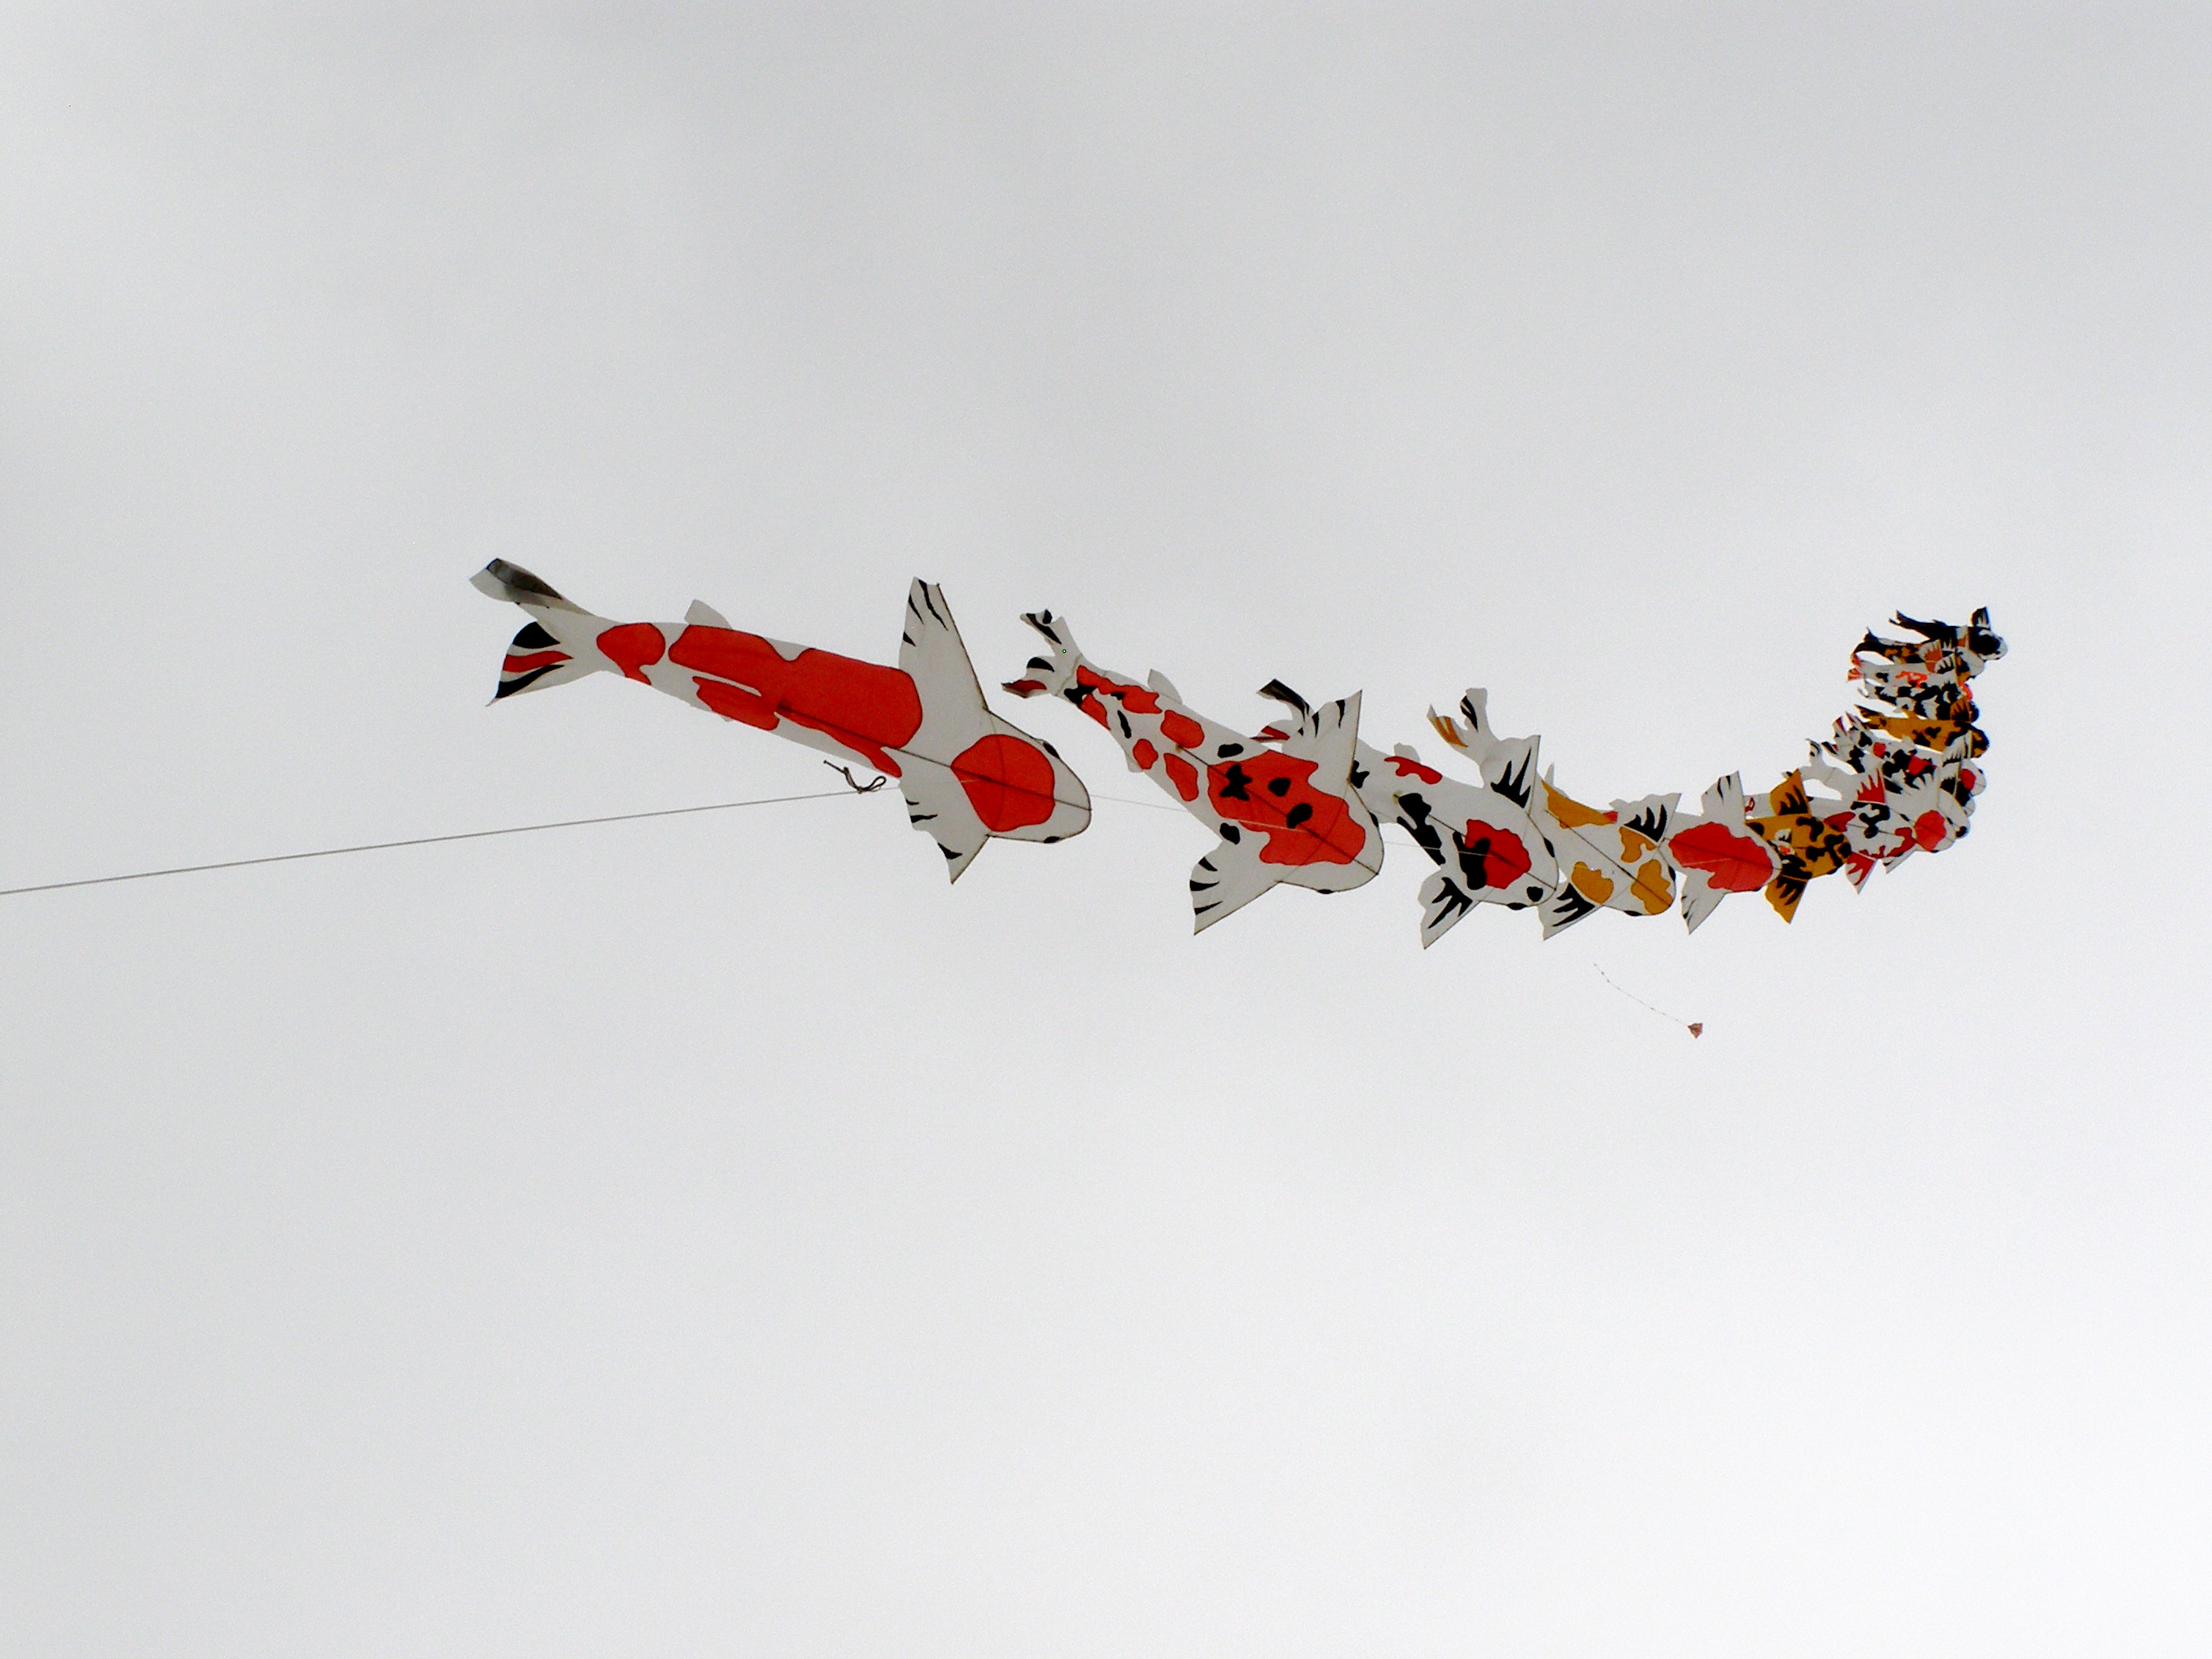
pixel 555 646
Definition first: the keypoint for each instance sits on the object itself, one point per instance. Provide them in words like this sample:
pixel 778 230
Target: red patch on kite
pixel 1414 769
pixel 1501 856
pixel 1135 698
pixel 1732 863
pixel 1183 775
pixel 1928 830
pixel 1009 782
pixel 869 709
pixel 633 648
pixel 1272 793
pixel 1182 731
pixel 1269 734
pixel 1145 755
pixel 516 664
pixel 1024 688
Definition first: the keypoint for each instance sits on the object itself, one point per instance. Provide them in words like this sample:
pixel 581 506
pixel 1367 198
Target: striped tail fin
pixel 534 659
pixel 540 655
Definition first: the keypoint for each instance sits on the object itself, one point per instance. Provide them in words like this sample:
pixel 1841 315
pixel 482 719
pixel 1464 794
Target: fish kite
pixel 1302 805
pixel 1302 801
pixel 1285 803
pixel 967 775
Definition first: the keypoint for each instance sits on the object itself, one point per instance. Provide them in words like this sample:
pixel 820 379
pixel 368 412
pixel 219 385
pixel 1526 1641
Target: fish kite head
pixel 1982 640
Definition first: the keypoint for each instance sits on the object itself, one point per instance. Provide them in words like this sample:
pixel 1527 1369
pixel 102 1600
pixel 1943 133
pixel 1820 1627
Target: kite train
pixel 1302 800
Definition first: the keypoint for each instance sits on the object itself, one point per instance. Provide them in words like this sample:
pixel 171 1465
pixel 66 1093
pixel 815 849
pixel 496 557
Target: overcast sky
pixel 716 1235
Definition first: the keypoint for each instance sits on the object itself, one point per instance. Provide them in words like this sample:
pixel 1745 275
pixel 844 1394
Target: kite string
pixel 420 840
pixel 1694 1028
pixel 479 835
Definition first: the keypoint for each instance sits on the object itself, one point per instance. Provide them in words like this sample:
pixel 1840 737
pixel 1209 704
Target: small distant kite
pixel 1302 801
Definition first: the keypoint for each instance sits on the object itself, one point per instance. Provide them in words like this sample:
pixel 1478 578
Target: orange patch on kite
pixel 1572 814
pixel 1135 698
pixel 869 709
pixel 1273 794
pixel 1008 782
pixel 1183 775
pixel 1590 883
pixel 1182 731
pixel 1731 863
pixel 633 648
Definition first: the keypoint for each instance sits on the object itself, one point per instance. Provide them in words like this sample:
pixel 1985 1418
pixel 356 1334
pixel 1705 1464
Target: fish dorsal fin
pixel 703 615
pixel 932 655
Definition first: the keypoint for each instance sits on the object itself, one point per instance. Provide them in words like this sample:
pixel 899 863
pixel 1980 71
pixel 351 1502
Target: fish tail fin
pixel 1052 675
pixel 535 660
pixel 559 643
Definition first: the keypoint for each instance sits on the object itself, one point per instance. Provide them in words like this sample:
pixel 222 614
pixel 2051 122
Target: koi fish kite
pixel 967 775
pixel 1301 806
pixel 1302 801
pixel 1284 802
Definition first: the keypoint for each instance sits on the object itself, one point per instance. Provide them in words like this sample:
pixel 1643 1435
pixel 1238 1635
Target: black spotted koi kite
pixel 1302 801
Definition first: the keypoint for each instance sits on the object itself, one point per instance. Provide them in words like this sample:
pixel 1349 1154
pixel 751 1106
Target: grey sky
pixel 716 1235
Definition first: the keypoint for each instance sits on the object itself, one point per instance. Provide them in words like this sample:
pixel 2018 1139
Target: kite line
pixel 475 834
pixel 420 841
pixel 1695 1027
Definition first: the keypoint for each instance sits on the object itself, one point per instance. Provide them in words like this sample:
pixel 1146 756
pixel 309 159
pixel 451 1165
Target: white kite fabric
pixel 1302 800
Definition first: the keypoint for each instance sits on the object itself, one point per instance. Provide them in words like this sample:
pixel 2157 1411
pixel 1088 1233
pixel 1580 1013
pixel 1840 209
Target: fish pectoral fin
pixel 1225 880
pixel 937 806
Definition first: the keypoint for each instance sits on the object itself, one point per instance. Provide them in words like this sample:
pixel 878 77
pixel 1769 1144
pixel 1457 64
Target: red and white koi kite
pixel 967 775
pixel 1283 803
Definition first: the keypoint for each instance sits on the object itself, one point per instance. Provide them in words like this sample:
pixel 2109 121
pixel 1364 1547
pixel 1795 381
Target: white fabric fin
pixel 937 806
pixel 1225 880
pixel 930 652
